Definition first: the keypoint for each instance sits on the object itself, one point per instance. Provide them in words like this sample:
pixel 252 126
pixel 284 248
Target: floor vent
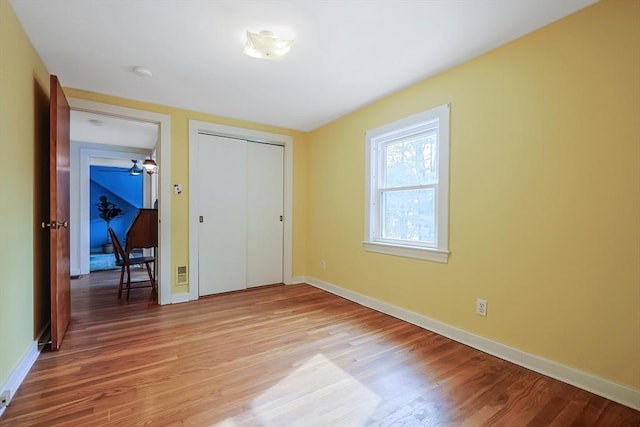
pixel 182 277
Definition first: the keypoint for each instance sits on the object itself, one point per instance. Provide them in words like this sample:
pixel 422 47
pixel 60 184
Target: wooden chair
pixel 125 262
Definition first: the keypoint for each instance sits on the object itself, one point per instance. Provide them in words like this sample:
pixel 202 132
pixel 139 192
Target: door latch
pixel 55 224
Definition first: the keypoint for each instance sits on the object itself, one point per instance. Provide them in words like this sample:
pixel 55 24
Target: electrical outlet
pixel 4 398
pixel 323 265
pixel 481 307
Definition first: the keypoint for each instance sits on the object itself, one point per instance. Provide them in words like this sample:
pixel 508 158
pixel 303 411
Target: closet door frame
pixel 197 127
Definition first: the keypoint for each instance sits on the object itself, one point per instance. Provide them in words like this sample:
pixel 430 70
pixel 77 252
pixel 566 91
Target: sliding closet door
pixel 222 234
pixel 240 204
pixel 265 196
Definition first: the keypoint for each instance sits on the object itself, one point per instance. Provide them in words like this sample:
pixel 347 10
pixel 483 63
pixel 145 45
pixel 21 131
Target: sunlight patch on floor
pixel 317 393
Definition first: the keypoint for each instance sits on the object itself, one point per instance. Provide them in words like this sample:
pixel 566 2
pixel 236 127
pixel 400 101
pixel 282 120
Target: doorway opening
pixel 123 135
pixel 120 192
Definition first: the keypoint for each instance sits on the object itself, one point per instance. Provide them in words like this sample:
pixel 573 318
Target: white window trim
pixel 439 253
pixel 418 252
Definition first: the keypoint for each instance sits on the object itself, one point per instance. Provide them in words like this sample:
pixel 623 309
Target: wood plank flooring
pixel 279 356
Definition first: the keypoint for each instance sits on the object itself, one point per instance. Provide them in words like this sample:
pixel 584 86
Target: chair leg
pixel 151 278
pixel 121 280
pixel 128 281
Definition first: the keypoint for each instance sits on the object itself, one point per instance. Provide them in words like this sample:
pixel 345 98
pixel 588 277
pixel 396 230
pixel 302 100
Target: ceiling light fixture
pixel 135 170
pixel 142 72
pixel 150 166
pixel 266 45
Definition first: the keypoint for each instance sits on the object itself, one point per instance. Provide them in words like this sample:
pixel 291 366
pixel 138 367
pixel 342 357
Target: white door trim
pixel 164 175
pixel 196 127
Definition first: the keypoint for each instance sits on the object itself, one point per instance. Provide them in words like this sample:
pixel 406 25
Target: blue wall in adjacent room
pixel 124 190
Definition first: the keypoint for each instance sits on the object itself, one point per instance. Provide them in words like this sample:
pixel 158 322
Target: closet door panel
pixel 265 201
pixel 222 239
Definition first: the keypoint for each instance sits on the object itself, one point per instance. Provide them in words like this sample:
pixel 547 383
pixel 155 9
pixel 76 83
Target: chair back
pixel 117 247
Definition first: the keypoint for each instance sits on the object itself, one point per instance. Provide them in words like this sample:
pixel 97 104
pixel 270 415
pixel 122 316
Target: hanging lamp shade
pixel 150 166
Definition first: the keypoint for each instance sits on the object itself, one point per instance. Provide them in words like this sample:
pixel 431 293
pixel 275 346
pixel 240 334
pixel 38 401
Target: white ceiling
pixel 100 129
pixel 347 53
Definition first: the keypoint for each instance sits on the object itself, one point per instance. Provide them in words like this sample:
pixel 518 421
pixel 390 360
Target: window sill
pixel 408 251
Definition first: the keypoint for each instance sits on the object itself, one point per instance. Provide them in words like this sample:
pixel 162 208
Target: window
pixel 407 199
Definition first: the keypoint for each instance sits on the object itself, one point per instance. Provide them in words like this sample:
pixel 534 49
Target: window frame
pixel 378 138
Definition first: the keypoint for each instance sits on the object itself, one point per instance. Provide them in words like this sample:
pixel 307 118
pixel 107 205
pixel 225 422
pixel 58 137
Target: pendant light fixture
pixel 150 166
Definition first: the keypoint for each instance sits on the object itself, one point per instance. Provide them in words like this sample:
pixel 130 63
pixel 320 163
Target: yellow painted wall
pixel 180 174
pixel 24 86
pixel 544 196
pixel 545 193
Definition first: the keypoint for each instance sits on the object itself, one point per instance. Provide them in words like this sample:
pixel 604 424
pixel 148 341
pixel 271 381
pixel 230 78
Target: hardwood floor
pixel 279 356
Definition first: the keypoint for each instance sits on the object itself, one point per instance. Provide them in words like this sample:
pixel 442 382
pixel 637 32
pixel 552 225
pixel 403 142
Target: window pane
pixel 411 161
pixel 409 215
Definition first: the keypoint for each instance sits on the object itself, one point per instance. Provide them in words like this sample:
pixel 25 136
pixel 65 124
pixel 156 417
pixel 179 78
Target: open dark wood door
pixel 59 214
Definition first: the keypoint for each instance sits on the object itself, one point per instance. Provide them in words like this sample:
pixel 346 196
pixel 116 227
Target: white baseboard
pixel 297 279
pixel 618 393
pixel 20 372
pixel 178 298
